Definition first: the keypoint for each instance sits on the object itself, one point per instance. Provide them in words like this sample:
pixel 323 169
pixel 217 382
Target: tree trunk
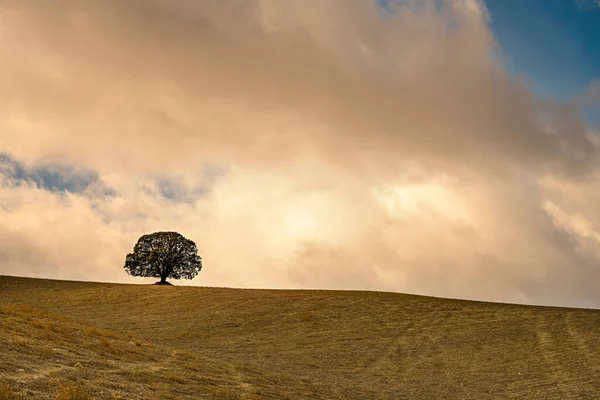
pixel 164 274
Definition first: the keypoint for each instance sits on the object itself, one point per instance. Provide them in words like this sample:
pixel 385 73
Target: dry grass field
pixel 77 340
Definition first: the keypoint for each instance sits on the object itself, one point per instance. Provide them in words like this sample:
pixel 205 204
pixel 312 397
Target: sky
pixel 435 147
pixel 552 43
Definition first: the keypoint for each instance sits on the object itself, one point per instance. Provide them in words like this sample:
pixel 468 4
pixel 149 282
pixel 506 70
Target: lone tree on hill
pixel 163 255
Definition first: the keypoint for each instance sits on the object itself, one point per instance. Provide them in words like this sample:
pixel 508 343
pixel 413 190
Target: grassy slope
pixel 45 356
pixel 295 344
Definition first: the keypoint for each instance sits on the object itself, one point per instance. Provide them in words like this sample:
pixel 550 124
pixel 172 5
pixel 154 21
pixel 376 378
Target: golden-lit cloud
pixel 355 147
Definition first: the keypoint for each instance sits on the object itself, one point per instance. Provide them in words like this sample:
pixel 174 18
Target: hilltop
pixel 145 341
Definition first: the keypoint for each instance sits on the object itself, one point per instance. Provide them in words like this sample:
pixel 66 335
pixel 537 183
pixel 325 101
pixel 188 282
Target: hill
pixel 146 341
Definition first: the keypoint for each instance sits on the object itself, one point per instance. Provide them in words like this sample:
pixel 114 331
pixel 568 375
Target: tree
pixel 163 255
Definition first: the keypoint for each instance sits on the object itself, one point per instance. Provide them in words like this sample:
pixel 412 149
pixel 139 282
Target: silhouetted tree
pixel 164 255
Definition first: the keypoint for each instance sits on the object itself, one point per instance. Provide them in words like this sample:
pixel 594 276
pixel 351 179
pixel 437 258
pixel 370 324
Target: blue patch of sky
pixel 52 177
pixel 387 6
pixel 61 179
pixel 172 189
pixel 555 44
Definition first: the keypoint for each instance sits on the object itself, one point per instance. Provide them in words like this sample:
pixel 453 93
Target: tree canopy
pixel 164 255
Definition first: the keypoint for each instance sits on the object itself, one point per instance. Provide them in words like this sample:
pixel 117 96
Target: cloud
pixel 592 95
pixel 363 150
pixel 588 102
